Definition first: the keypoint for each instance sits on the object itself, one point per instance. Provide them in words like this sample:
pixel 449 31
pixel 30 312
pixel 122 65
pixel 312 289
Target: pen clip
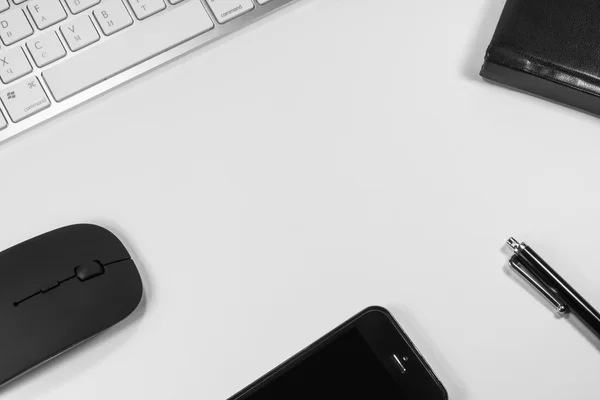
pixel 559 304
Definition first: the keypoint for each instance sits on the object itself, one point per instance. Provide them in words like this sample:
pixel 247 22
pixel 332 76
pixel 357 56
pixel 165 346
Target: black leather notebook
pixel 549 48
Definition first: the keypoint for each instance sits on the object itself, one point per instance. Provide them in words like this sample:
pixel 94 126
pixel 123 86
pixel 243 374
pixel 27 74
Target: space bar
pixel 138 43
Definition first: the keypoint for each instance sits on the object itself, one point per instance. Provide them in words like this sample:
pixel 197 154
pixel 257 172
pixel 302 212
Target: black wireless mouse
pixel 59 289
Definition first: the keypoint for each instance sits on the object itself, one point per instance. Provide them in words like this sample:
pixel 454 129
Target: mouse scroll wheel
pixel 89 270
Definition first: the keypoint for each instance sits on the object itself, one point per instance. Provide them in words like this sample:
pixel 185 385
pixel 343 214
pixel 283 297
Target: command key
pixel 24 99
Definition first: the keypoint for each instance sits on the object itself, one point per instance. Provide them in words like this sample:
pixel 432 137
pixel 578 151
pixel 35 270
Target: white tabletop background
pixel 336 155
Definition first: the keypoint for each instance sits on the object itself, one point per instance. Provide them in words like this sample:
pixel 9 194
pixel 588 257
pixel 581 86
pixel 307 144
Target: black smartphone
pixel 367 357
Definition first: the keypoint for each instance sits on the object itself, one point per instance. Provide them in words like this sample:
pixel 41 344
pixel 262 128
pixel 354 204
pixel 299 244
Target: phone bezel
pixel 385 337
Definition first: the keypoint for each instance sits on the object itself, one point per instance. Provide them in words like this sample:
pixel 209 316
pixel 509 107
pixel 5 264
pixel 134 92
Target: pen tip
pixel 513 244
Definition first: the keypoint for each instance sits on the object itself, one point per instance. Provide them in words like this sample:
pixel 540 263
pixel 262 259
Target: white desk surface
pixel 338 154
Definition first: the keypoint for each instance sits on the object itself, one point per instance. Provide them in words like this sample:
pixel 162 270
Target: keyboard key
pixel 24 99
pixel 3 123
pixel 13 64
pixel 79 32
pixel 46 49
pixel 145 8
pixel 19 1
pixel 46 12
pixel 4 5
pixel 175 1
pixel 14 26
pixel 112 16
pixel 134 46
pixel 261 2
pixel 226 10
pixel 77 6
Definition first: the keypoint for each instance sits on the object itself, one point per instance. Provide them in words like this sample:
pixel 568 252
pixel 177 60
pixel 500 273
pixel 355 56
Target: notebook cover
pixel 549 48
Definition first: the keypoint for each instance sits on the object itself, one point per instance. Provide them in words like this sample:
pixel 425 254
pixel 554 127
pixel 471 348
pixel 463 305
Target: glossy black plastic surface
pixel 385 338
pixel 45 309
pixel 575 302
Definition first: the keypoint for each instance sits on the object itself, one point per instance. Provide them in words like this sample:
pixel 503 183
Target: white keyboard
pixel 55 54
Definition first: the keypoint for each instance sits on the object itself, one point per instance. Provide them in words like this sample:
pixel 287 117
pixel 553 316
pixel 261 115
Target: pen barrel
pixel 576 303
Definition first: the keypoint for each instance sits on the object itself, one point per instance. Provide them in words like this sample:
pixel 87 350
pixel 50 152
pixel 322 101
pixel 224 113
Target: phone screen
pixel 345 368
